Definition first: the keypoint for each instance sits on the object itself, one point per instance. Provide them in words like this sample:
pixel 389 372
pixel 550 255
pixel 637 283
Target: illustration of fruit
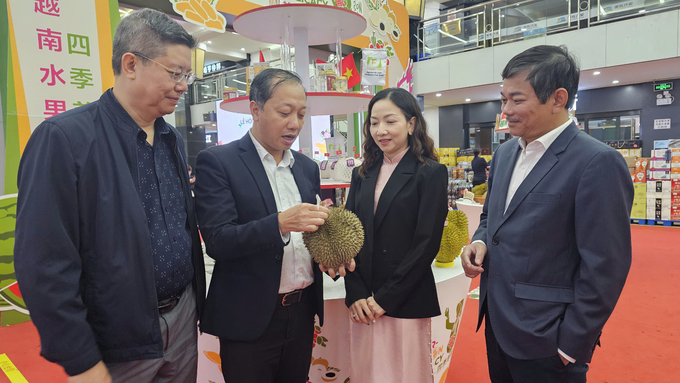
pixel 10 295
pixel 201 12
pixel 214 357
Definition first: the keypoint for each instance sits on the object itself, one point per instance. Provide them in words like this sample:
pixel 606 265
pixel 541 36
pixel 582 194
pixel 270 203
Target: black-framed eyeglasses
pixel 175 74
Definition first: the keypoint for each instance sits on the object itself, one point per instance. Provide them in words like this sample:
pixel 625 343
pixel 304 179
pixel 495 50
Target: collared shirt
pixel 386 170
pixel 297 271
pixel 529 157
pixel 163 201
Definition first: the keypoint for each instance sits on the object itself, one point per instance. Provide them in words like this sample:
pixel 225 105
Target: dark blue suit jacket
pixel 238 219
pixel 558 258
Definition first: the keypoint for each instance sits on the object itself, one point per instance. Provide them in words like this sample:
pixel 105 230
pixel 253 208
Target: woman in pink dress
pixel 399 194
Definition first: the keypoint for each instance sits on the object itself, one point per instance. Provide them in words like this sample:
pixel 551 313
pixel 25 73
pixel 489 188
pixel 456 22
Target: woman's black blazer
pixel 402 238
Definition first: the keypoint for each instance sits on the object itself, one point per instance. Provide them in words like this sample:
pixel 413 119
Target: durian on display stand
pixel 338 240
pixel 454 238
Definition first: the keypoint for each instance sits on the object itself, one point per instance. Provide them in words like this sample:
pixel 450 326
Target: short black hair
pixel 476 152
pixel 263 85
pixel 550 68
pixel 148 32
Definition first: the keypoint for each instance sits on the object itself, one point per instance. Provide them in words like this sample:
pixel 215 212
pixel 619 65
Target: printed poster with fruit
pixel 201 12
pixel 55 55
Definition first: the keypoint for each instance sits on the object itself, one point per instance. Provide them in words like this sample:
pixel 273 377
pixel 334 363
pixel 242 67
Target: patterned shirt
pixel 164 205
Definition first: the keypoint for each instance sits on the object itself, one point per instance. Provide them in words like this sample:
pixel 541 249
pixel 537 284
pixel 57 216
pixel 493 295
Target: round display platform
pixel 266 24
pixel 318 103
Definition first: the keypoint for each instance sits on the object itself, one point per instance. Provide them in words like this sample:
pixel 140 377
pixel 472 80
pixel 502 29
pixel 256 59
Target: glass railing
pixel 503 21
pixel 609 10
pixel 451 33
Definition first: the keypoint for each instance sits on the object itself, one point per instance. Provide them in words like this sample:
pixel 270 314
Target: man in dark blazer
pixel 553 244
pixel 254 197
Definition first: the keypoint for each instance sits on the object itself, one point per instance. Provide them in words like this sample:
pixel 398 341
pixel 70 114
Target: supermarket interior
pixel 56 56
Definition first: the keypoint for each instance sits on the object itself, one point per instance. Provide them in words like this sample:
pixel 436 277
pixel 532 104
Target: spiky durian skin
pixel 480 189
pixel 454 237
pixel 338 240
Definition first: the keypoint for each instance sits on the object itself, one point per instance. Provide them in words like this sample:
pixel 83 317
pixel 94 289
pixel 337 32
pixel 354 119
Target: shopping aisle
pixel 641 341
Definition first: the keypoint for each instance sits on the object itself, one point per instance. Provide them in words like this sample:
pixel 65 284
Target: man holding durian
pixel 255 197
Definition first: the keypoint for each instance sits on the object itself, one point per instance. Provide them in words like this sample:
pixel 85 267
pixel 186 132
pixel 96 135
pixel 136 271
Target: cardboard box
pixel 675 185
pixel 659 203
pixel 638 212
pixel 659 163
pixel 660 175
pixel 640 189
pixel 635 152
pixel 653 214
pixel 658 186
pixel 659 153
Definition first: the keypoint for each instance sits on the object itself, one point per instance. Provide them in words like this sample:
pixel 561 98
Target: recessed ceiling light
pixel 524 29
pixel 596 73
pixel 243 49
pixel 234 33
pixel 642 11
pixel 208 42
pixel 438 94
pixel 467 100
pixel 615 82
pixel 501 85
pixel 502 15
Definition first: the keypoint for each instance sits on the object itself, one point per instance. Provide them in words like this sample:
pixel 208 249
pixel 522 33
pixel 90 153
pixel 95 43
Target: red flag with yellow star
pixel 349 70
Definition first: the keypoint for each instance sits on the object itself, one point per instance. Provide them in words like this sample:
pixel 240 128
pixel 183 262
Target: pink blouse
pixel 384 174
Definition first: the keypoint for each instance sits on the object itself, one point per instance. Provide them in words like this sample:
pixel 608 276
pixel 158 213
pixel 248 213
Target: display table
pixel 330 360
pixel 472 210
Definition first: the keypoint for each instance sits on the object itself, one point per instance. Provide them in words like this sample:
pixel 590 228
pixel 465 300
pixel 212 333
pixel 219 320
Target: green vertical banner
pixel 52 59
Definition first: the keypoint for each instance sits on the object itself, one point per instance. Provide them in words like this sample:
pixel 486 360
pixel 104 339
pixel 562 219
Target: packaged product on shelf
pixel 229 92
pixel 658 175
pixel 340 84
pixel 659 209
pixel 324 170
pixel 659 163
pixel 659 188
pixel 660 153
pixel 253 71
pixel 639 209
pixel 675 185
pixel 342 171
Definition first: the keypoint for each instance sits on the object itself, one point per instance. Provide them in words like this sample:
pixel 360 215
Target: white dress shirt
pixel 297 270
pixel 526 161
pixel 529 157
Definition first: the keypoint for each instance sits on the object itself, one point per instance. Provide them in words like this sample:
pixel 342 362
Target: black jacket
pixel 479 166
pixel 83 248
pixel 401 239
pixel 239 222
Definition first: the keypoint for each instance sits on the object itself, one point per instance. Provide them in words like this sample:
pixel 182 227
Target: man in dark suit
pixel 553 244
pixel 254 199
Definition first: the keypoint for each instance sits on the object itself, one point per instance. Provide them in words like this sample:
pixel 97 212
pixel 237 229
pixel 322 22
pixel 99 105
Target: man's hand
pixel 375 308
pixel 360 312
pixel 341 270
pixel 97 374
pixel 472 258
pixel 564 360
pixel 303 217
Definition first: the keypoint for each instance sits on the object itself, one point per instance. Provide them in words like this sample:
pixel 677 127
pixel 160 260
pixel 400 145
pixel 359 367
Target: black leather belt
pixel 290 298
pixel 166 305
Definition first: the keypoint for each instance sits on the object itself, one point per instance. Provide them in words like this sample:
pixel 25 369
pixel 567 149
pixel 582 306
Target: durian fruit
pixel 454 237
pixel 480 189
pixel 338 240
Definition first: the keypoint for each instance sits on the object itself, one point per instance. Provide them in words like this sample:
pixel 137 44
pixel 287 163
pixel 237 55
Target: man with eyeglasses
pixel 107 248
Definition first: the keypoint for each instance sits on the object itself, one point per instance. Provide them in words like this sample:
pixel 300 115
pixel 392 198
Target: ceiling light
pixel 615 82
pixel 524 29
pixel 596 73
pixel 438 94
pixel 501 85
pixel 502 15
pixel 234 33
pixel 243 49
pixel 209 42
pixel 642 11
pixel 467 100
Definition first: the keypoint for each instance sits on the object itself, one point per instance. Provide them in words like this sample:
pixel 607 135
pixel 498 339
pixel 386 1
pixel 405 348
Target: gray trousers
pixel 180 356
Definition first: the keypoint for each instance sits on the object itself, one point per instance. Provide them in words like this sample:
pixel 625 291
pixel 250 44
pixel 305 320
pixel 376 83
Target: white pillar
pixel 302 68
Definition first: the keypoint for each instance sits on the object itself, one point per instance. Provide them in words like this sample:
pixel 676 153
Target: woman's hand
pixel 375 308
pixel 361 313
